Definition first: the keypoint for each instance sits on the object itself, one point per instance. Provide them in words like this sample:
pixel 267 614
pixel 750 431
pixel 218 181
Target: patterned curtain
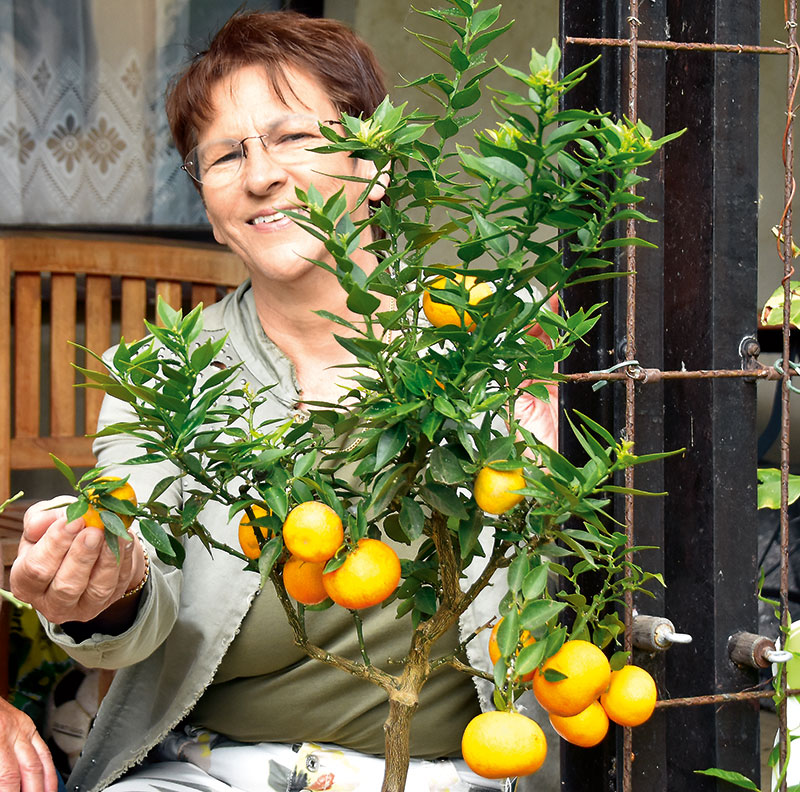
pixel 83 136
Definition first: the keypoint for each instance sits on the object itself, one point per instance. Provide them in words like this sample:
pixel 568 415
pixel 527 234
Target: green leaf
pixel 412 519
pixel 539 612
pixel 178 553
pixel 64 469
pixel 304 464
pixel 444 407
pixel 446 128
pixel 484 19
pixel 530 657
pixel 551 675
pixel 517 572
pixel 445 467
pixel 465 98
pixel 494 168
pixel 157 537
pixel 77 509
pixel 112 540
pixel 458 58
pixel 535 582
pixel 732 777
pixel 113 524
pixel 772 313
pixel 277 499
pixel 626 242
pixel 508 633
pixel 769 488
pixel 168 315
pixel 362 302
pixel 618 660
pixel 202 356
pixel 468 533
pixel 444 500
pixel 425 600
pixel 484 39
pixel 390 443
pixel 269 555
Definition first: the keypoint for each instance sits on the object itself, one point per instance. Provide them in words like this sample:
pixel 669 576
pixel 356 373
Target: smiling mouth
pixel 275 217
pixel 267 219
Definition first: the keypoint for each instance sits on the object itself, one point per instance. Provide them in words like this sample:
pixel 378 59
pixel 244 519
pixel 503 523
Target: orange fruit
pixel 368 576
pixel 313 531
pixel 494 649
pixel 440 314
pixel 586 729
pixel 587 674
pixel 493 489
pixel 303 580
pixel 247 531
pixel 503 744
pixel 92 516
pixel 631 696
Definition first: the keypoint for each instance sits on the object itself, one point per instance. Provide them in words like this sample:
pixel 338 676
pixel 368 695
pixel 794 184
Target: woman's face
pixel 244 105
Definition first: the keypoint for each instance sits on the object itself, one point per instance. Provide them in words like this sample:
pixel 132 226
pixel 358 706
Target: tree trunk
pixel 402 707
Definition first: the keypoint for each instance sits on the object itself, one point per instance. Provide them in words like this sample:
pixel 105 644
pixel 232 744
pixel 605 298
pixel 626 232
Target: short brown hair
pixel 328 50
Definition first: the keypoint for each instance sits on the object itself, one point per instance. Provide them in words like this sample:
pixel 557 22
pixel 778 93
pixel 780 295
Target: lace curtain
pixel 83 137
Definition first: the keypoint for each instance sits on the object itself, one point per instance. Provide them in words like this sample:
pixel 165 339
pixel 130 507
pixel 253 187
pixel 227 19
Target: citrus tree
pixel 443 465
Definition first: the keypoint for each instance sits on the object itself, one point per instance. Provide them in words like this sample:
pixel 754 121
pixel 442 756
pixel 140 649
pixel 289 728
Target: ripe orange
pixel 303 580
pixel 585 729
pixel 440 314
pixel 631 696
pixel 368 576
pixel 503 744
pixel 92 516
pixel 247 531
pixel 494 649
pixel 494 489
pixel 313 531
pixel 587 674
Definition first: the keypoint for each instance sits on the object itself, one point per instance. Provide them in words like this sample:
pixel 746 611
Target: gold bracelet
pixel 136 589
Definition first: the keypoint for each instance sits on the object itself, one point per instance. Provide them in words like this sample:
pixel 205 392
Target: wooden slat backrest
pixel 75 275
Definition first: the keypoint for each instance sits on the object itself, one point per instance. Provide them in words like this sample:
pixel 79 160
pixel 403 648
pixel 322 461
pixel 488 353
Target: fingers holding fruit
pixel 65 567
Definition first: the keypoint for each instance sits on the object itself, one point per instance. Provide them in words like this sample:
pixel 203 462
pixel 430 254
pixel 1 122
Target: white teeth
pixel 268 218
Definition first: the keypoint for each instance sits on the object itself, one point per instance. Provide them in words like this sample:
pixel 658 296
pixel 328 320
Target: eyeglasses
pixel 288 141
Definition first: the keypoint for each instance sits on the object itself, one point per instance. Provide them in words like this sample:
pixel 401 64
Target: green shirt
pixel 268 689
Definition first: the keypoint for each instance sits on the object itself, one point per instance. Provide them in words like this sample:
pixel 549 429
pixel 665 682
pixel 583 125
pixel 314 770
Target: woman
pixel 200 652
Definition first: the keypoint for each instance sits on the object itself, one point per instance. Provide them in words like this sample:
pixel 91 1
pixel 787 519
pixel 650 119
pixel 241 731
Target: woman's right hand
pixel 66 570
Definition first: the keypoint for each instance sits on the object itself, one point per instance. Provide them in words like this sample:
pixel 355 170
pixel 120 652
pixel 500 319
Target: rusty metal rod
pixel 786 254
pixel 650 375
pixel 720 698
pixel 630 386
pixel 691 46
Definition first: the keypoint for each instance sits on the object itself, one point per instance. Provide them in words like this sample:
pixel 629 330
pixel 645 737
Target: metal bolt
pixel 755 651
pixel 656 633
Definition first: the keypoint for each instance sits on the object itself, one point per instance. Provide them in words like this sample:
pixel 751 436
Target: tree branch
pixel 370 673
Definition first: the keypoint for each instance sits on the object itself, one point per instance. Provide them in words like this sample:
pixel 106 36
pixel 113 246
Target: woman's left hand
pixel 25 761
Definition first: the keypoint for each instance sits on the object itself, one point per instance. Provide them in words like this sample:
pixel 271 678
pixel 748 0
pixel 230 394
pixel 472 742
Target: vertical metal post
pixel 710 306
pixel 591 769
pixel 695 301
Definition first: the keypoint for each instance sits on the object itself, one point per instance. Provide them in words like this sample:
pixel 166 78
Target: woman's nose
pixel 261 172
